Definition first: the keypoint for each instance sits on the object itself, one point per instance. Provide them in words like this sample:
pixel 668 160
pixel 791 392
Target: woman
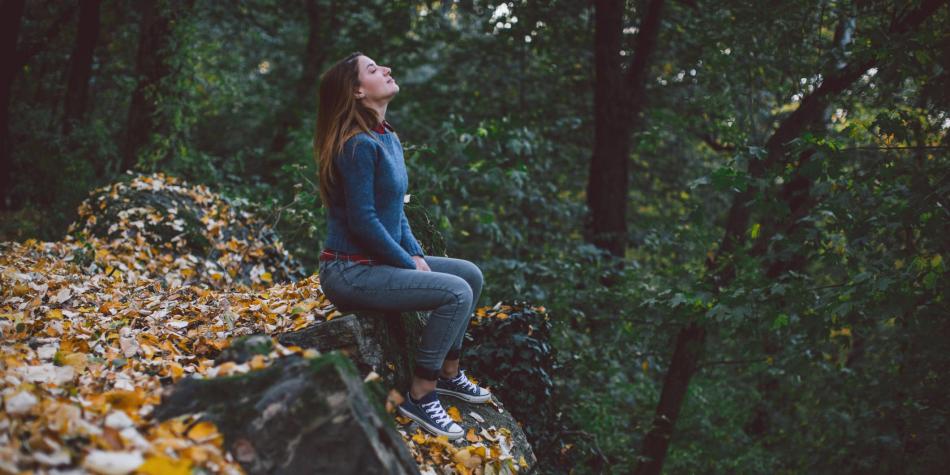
pixel 371 259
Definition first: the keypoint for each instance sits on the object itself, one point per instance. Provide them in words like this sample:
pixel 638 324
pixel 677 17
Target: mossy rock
pixel 298 415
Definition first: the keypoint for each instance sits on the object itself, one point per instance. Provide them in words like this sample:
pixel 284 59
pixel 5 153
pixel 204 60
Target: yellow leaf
pixel 465 461
pixel 176 371
pixel 128 400
pixel 471 436
pixel 842 332
pixel 168 346
pixel 258 362
pixel 226 368
pixel 161 465
pixel 453 412
pixel 197 454
pixel 76 360
pixel 266 277
pixel 203 431
pixel 754 232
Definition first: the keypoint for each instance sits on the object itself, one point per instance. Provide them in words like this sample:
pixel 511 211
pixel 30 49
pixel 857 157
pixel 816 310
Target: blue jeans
pixel 451 291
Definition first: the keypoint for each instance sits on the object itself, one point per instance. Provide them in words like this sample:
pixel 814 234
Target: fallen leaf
pixel 112 463
pixel 160 465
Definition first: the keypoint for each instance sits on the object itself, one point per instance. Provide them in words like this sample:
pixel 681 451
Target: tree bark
pixel 689 348
pixel 80 64
pixel 618 101
pixel 11 16
pixel 151 66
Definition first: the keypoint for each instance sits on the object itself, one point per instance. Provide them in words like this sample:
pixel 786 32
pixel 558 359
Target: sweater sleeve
pixel 358 170
pixel 409 242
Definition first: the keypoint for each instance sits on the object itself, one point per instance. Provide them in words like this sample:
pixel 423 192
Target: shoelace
pixel 435 410
pixel 464 382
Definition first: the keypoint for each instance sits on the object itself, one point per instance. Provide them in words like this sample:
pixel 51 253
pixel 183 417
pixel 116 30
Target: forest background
pixel 735 212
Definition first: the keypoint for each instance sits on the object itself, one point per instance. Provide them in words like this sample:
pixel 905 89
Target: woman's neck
pixel 380 110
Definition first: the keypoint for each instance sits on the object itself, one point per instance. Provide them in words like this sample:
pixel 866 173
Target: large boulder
pixel 298 416
pixel 376 341
pixel 382 342
pixel 166 229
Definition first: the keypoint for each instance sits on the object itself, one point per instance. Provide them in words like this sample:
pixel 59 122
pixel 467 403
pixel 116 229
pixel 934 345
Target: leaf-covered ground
pixel 93 329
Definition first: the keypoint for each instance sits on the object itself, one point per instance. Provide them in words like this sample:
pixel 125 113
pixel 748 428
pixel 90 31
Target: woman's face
pixel 376 84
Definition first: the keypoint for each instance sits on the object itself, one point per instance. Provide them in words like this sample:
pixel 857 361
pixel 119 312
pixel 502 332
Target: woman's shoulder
pixel 361 142
pixel 359 138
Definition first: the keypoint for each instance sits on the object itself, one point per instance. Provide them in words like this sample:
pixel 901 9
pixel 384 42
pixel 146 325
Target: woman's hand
pixel 421 264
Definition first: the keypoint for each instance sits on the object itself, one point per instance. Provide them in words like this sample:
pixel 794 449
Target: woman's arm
pixel 409 242
pixel 358 169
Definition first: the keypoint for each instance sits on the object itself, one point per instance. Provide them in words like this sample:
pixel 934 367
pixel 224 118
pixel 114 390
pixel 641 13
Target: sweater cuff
pixel 413 248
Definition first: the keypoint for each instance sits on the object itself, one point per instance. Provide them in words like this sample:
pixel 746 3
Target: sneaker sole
pixel 429 427
pixel 463 396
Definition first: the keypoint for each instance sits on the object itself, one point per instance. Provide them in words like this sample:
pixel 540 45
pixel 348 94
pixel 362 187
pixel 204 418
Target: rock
pixel 375 341
pixel 166 226
pixel 243 348
pixel 493 414
pixel 298 415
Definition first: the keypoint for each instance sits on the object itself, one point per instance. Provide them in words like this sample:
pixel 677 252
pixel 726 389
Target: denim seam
pixel 370 289
pixel 458 303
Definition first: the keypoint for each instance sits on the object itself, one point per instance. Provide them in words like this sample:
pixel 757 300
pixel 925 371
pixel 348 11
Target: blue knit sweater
pixel 366 214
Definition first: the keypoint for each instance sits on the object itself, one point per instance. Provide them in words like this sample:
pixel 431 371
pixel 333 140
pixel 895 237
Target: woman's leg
pixel 383 287
pixel 473 276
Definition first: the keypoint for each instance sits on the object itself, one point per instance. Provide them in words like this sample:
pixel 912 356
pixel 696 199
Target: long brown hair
pixel 339 117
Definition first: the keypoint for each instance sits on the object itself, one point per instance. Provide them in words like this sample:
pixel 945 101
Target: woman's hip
pixel 364 286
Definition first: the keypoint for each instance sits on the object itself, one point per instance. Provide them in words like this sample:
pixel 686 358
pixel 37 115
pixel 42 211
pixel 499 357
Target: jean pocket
pixel 350 271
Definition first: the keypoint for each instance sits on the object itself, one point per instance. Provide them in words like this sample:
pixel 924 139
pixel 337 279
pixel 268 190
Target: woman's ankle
pixel 421 387
pixel 450 369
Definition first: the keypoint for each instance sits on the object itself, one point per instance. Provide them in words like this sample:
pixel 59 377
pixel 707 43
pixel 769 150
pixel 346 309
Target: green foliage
pixel 837 364
pixel 512 350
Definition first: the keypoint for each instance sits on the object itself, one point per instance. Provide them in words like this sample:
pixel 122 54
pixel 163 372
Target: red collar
pixel 381 127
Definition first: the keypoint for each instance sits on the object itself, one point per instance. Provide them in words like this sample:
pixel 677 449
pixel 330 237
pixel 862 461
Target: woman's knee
pixel 478 275
pixel 461 290
pixel 472 272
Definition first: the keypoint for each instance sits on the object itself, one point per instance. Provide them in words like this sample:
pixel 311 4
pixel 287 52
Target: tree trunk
pixel 686 356
pixel 618 100
pixel 11 15
pixel 80 64
pixel 607 181
pixel 151 66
